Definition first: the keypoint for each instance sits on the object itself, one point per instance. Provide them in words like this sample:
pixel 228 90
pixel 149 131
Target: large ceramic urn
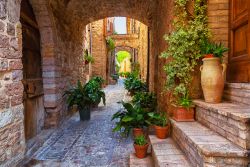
pixel 212 79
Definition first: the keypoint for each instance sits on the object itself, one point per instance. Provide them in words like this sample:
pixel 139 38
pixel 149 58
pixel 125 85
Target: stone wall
pixel 12 142
pixel 99 50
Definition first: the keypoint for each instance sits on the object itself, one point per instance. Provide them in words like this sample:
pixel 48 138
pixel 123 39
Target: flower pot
pixel 84 113
pixel 212 79
pixel 208 56
pixel 162 132
pixel 141 151
pixel 182 114
pixel 137 132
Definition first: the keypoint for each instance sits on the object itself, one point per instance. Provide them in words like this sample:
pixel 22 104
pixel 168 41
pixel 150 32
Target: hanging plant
pixel 88 57
pixel 183 52
pixel 110 44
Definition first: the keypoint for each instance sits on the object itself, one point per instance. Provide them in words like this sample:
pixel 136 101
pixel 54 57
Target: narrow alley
pixel 91 143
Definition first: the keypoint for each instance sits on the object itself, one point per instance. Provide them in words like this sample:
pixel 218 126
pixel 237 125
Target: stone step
pixel 136 162
pixel 166 153
pixel 232 121
pixel 204 147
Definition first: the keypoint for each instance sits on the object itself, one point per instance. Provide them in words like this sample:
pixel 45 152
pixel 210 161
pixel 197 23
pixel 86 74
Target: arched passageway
pixel 61 25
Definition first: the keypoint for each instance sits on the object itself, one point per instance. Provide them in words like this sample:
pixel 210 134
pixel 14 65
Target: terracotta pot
pixel 208 56
pixel 162 132
pixel 141 151
pixel 137 132
pixel 212 79
pixel 182 114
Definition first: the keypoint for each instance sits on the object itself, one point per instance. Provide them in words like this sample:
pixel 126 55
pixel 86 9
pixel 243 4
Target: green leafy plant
pixel 88 57
pixel 129 117
pixel 93 89
pixel 213 48
pixel 158 119
pixel 140 140
pixel 184 43
pixel 133 84
pixel 99 80
pixel 110 44
pixel 145 100
pixel 78 96
pixel 183 97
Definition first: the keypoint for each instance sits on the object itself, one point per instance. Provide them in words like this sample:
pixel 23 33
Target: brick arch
pixel 85 12
pixel 47 30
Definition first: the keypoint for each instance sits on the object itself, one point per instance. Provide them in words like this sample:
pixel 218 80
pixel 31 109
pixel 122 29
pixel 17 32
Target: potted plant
pixel 133 84
pixel 184 108
pixel 79 97
pixel 88 57
pixel 141 146
pixel 213 71
pixel 94 91
pixel 145 100
pixel 161 124
pixel 130 118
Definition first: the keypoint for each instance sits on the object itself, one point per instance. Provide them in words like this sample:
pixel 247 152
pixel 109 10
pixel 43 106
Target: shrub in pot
pixel 161 124
pixel 145 100
pixel 141 146
pixel 130 118
pixel 184 107
pixel 79 97
pixel 213 71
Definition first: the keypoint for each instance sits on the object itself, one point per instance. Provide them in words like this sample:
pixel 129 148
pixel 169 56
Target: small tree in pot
pixel 145 100
pixel 141 146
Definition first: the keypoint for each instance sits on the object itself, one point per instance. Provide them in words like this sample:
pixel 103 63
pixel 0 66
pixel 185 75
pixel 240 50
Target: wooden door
pixel 239 57
pixel 32 72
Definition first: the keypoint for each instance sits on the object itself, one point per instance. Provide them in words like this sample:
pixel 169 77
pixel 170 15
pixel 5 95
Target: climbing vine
pixel 183 52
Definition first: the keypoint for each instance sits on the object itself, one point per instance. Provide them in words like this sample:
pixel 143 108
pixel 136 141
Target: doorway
pixel 32 72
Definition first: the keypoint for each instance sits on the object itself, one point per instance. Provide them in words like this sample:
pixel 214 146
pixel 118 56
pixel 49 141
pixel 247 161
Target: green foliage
pixel 78 96
pixel 95 93
pixel 136 68
pixel 122 55
pixel 88 57
pixel 184 45
pixel 115 76
pixel 129 117
pixel 124 74
pixel 110 44
pixel 133 84
pixel 140 140
pixel 145 100
pixel 213 48
pixel 159 119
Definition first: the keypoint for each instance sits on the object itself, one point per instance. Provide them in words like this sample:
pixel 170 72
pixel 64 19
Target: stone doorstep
pixel 212 145
pixel 166 153
pixel 136 162
pixel 236 112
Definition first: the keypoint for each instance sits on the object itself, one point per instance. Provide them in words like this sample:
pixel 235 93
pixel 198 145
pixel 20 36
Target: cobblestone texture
pixel 89 143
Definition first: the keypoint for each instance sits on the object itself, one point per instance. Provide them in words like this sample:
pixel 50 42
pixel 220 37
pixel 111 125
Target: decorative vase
pixel 84 113
pixel 162 132
pixel 137 132
pixel 212 79
pixel 182 114
pixel 141 151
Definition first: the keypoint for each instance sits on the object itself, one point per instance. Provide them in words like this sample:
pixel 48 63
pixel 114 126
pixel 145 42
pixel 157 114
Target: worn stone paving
pixel 89 143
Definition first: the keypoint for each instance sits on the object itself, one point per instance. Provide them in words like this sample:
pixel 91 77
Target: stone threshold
pixel 206 141
pixel 234 111
pixel 238 85
pixel 166 153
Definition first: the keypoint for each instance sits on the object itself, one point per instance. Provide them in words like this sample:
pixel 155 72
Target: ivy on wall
pixel 184 42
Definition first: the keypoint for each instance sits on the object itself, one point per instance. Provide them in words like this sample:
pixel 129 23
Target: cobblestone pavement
pixel 89 143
